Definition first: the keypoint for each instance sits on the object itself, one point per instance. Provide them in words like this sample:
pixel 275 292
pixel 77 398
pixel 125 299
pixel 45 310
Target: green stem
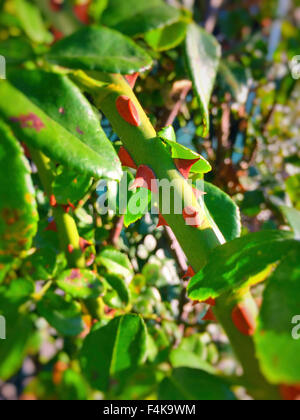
pixel 244 347
pixel 66 226
pixel 144 147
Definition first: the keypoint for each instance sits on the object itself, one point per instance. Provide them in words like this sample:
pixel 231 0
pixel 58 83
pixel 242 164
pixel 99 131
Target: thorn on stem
pixel 82 12
pixel 51 227
pixel 210 301
pixel 209 316
pixel 244 320
pixel 198 193
pixel 56 5
pixel 53 202
pixel 190 273
pixel 70 248
pixel 127 110
pixel 90 261
pixel 184 166
pixel 192 217
pixel 161 221
pixel 290 392
pixel 126 159
pixel 132 78
pixel 145 178
pixel 84 244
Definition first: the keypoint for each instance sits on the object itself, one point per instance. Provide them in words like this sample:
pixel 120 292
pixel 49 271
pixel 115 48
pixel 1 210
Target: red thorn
pixel 243 320
pixel 82 12
pixel 84 244
pixel 290 392
pixel 127 110
pixel 161 221
pixel 259 301
pixel 57 35
pixel 210 301
pixel 26 150
pixel 109 311
pixel 56 5
pixel 191 217
pixel 66 208
pixel 132 78
pixel 190 273
pixel 184 166
pixel 126 159
pixel 209 316
pixel 90 261
pixel 53 202
pixel 71 205
pixel 51 227
pixel 198 193
pixel 70 248
pixel 145 178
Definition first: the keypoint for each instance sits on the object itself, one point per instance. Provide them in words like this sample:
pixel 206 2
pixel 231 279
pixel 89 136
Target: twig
pixel 178 105
pixel 116 231
pixel 211 21
pixel 177 250
pixel 66 226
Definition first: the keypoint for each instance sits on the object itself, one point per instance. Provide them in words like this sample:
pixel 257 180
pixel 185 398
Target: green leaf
pixel 68 187
pixel 102 49
pixel 142 384
pixel 32 22
pixel 167 134
pixel 170 36
pixel 18 327
pixel 19 330
pixel 137 17
pixel 277 338
pixel 224 211
pixel 116 262
pixel 119 295
pixel 231 265
pixel 203 54
pixel 43 264
pixel 191 353
pixel 234 78
pixel 179 151
pixel 64 316
pixel 97 8
pixel 16 293
pixel 18 212
pixel 80 284
pixel 293 217
pixel 114 350
pixel 16 50
pixel 138 206
pixel 194 384
pixel 8 20
pixel 293 189
pixel 73 387
pixel 50 113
